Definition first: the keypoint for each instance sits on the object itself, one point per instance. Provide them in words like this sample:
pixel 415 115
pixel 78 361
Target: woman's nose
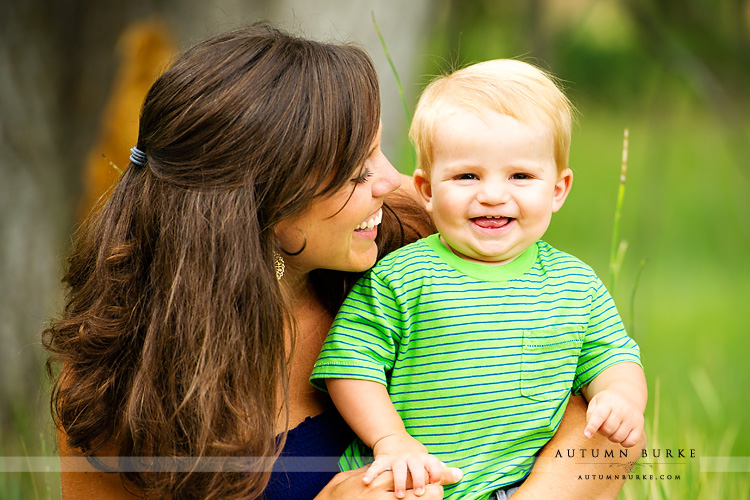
pixel 387 179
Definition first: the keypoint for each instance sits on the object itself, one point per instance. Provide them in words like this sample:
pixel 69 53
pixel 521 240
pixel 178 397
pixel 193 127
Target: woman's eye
pixel 362 178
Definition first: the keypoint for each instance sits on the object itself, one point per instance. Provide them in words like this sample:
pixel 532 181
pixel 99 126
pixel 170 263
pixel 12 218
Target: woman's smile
pixel 371 222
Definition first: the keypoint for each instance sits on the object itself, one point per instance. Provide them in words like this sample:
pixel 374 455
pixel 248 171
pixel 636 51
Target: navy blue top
pixel 310 457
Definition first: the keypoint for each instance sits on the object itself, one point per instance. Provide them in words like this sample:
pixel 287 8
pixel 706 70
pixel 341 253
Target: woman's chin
pixel 362 260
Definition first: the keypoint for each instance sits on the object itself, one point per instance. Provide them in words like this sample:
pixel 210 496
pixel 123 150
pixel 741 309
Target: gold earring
pixel 278 264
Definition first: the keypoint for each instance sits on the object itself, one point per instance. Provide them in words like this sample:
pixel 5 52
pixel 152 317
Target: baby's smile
pixel 492 222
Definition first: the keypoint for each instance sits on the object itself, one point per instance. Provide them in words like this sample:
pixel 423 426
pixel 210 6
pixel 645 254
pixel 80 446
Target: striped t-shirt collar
pixel 479 270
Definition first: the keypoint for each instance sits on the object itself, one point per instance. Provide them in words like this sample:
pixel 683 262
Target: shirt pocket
pixel 548 361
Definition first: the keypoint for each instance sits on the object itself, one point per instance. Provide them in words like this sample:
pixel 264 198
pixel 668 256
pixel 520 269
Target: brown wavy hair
pixel 171 342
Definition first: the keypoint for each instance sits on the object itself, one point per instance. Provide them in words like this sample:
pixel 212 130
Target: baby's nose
pixel 493 193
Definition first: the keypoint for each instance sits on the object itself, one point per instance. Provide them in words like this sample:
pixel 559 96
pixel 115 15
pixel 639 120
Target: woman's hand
pixel 349 486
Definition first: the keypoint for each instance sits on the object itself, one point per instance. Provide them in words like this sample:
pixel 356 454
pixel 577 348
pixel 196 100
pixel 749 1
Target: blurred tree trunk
pixel 536 31
pixel 55 74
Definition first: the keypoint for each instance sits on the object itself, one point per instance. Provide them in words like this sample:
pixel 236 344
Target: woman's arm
pixel 556 475
pixel 91 483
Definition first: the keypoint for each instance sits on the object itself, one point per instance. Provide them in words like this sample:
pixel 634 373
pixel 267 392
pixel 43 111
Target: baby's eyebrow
pixel 462 167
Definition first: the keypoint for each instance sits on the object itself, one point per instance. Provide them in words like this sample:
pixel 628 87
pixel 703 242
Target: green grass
pixel 683 212
pixel 30 484
pixel 683 478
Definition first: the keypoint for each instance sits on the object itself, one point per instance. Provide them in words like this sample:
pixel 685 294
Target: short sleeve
pixel 362 342
pixel 605 342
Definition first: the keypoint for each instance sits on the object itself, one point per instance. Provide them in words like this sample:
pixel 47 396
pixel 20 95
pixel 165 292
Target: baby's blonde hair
pixel 509 87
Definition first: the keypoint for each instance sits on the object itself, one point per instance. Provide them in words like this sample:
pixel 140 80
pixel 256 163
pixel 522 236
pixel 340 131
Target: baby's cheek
pixel 452 209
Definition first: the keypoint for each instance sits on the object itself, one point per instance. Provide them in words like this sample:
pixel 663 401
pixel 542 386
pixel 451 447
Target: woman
pixel 201 291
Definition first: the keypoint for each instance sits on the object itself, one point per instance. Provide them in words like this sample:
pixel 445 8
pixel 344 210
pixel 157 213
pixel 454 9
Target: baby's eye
pixel 466 177
pixel 520 176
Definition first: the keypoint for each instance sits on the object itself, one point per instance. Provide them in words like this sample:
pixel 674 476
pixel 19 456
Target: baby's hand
pixel 616 417
pixel 402 453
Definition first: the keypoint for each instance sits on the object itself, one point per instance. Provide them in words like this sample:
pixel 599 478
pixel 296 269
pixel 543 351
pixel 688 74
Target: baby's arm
pixel 617 400
pixel 366 407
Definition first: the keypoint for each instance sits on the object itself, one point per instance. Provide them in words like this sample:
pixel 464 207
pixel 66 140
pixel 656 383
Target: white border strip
pixel 169 464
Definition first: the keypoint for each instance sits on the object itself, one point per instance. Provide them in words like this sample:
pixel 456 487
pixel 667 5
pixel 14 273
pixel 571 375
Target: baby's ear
pixel 424 188
pixel 562 188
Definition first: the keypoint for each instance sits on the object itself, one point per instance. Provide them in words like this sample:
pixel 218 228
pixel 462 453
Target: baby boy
pixel 464 346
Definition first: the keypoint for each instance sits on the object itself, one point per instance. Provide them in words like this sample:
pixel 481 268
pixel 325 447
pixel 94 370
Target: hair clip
pixel 137 157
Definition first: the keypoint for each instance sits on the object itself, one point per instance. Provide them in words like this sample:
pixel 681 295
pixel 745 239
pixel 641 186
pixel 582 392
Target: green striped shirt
pixel 479 360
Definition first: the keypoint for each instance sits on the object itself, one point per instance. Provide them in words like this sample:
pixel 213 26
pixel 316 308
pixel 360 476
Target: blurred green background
pixel 675 73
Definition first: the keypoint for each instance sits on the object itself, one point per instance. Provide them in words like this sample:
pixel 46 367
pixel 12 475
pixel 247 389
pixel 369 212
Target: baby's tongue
pixel 491 223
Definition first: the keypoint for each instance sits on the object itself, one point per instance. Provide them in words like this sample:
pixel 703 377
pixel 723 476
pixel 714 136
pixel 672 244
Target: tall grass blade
pixel 617 250
pixel 708 396
pixel 112 164
pixel 631 315
pixel 32 476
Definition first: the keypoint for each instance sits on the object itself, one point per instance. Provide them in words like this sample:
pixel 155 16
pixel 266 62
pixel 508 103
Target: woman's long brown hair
pixel 171 343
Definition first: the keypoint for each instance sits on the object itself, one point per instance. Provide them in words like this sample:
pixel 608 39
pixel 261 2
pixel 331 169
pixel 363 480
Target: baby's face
pixel 493 186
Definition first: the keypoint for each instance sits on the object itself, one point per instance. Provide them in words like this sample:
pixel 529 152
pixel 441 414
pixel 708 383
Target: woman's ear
pixel 290 237
pixel 424 188
pixel 562 188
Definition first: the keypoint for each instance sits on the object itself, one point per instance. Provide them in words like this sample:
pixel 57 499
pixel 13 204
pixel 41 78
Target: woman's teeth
pixel 369 224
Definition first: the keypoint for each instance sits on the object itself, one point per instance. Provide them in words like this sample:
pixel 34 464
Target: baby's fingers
pixel 632 438
pixel 435 468
pixel 620 433
pixel 417 472
pixel 630 432
pixel 595 416
pixel 399 478
pixel 376 468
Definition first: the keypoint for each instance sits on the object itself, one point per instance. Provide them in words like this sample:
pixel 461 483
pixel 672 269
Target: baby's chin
pixel 498 262
pixel 489 259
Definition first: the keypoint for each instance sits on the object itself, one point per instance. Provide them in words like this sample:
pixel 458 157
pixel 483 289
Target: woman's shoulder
pixel 80 480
